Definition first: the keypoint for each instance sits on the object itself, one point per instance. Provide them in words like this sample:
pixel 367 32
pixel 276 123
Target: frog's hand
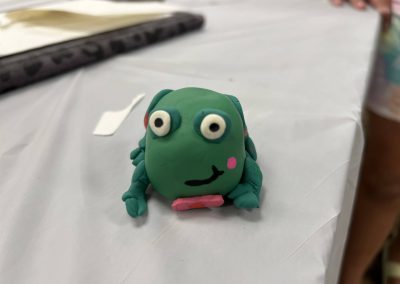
pixel 137 155
pixel 135 197
pixel 247 193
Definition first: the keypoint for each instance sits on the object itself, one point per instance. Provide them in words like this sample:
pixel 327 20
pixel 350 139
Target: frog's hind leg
pixel 135 197
pixel 247 193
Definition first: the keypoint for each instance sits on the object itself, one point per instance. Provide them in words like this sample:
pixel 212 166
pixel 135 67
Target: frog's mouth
pixel 197 182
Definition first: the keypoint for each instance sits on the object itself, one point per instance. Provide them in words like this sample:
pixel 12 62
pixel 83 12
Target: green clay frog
pixel 196 152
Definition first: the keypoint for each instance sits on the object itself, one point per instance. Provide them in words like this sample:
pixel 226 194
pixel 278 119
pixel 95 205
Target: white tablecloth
pixel 300 69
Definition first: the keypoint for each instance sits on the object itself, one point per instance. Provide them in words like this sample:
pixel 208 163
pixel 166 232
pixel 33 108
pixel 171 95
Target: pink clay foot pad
pixel 206 201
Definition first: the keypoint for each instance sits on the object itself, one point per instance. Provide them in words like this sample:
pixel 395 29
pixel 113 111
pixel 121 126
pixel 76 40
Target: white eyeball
pixel 213 126
pixel 160 122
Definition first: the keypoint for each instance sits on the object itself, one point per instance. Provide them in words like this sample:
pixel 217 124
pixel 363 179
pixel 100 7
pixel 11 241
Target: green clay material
pixel 135 197
pixel 238 106
pixel 184 156
pixel 137 155
pixel 184 163
pixel 157 98
pixel 246 194
pixel 250 148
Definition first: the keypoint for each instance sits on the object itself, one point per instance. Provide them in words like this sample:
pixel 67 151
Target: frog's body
pixel 196 145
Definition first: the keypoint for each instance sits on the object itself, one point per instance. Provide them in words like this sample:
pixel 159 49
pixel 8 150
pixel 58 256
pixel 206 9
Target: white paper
pixel 36 27
pixel 110 121
pixel 108 8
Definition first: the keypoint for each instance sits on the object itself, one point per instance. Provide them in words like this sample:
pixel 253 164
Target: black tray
pixel 28 67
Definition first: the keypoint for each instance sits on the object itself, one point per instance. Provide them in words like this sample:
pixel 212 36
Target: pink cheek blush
pixel 231 163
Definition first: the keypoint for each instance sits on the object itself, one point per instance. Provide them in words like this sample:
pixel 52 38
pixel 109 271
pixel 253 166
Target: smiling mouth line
pixel 213 177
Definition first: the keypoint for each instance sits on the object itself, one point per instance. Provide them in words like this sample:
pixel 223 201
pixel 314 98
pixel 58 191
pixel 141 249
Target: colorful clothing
pixel 384 95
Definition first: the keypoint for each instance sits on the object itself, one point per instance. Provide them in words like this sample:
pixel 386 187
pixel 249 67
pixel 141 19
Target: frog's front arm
pixel 247 193
pixel 135 197
pixel 137 155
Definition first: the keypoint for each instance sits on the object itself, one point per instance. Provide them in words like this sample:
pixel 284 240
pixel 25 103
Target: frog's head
pixel 195 142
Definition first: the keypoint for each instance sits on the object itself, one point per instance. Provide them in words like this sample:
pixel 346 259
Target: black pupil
pixel 214 127
pixel 158 122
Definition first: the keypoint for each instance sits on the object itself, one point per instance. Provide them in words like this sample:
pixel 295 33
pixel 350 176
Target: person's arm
pixel 382 6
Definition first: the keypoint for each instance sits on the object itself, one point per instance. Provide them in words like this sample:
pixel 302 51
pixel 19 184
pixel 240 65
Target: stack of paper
pixel 35 27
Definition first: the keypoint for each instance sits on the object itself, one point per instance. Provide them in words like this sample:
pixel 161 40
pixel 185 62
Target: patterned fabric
pixel 35 65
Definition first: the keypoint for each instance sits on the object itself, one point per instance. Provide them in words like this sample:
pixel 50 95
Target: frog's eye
pixel 213 126
pixel 160 122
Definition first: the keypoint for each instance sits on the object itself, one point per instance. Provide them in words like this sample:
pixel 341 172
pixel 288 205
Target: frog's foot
pixel 135 205
pixel 247 201
pixel 205 201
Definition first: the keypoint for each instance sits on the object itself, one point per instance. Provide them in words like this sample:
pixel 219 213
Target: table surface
pixel 300 69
